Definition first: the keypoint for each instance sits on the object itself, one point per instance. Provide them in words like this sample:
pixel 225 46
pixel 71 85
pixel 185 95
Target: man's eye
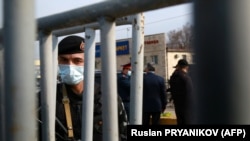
pixel 78 61
pixel 63 60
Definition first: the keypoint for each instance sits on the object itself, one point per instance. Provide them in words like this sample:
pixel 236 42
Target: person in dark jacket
pixel 123 86
pixel 69 95
pixel 154 96
pixel 181 88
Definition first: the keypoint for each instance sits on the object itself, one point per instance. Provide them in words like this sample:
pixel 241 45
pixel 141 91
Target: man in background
pixel 123 86
pixel 181 88
pixel 154 96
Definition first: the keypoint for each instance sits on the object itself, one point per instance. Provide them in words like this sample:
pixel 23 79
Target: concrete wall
pixel 155 45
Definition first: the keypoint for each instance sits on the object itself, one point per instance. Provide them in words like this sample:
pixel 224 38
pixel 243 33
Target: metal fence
pixel 222 47
pixel 18 98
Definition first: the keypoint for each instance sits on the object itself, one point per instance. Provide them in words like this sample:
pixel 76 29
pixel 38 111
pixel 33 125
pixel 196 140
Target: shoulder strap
pixel 66 101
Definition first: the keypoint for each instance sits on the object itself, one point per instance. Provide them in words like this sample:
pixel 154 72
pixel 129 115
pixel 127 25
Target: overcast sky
pixel 157 21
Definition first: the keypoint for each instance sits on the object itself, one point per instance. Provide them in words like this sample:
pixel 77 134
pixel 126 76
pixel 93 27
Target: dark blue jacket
pixel 123 86
pixel 154 93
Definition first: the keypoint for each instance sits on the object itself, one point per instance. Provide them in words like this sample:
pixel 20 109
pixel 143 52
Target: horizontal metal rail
pixel 91 13
pixel 81 28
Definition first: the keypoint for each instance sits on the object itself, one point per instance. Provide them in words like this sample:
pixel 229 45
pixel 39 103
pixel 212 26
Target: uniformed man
pixel 123 86
pixel 69 94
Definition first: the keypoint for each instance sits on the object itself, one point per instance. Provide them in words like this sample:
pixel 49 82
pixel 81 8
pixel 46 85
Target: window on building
pixel 176 56
pixel 154 59
pixel 184 56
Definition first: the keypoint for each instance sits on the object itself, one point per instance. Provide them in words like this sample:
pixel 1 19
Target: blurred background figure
pixel 123 86
pixel 181 88
pixel 154 96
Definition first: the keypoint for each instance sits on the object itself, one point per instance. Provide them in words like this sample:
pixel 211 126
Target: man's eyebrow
pixel 62 57
pixel 78 58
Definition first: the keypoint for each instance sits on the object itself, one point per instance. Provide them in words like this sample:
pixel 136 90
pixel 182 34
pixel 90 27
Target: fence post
pixel 109 80
pixel 137 69
pixel 88 96
pixel 47 86
pixel 20 98
pixel 222 46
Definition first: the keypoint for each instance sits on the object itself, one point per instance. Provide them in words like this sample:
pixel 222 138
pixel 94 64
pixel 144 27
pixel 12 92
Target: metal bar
pixel 91 13
pixel 213 67
pixel 55 66
pixel 88 96
pixel 222 46
pixel 1 35
pixel 47 87
pixel 2 97
pixel 109 79
pixel 52 98
pixel 240 45
pixel 137 69
pixel 81 28
pixel 20 102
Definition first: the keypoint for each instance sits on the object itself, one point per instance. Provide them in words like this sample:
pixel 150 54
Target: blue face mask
pixel 70 74
pixel 129 73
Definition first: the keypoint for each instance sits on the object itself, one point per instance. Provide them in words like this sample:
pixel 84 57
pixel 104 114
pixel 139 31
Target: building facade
pixel 155 52
pixel 173 55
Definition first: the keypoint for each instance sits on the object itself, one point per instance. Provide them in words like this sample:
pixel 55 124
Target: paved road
pixel 170 111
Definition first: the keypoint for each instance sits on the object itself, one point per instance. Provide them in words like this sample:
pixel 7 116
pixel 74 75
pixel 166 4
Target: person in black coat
pixel 69 96
pixel 154 96
pixel 181 88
